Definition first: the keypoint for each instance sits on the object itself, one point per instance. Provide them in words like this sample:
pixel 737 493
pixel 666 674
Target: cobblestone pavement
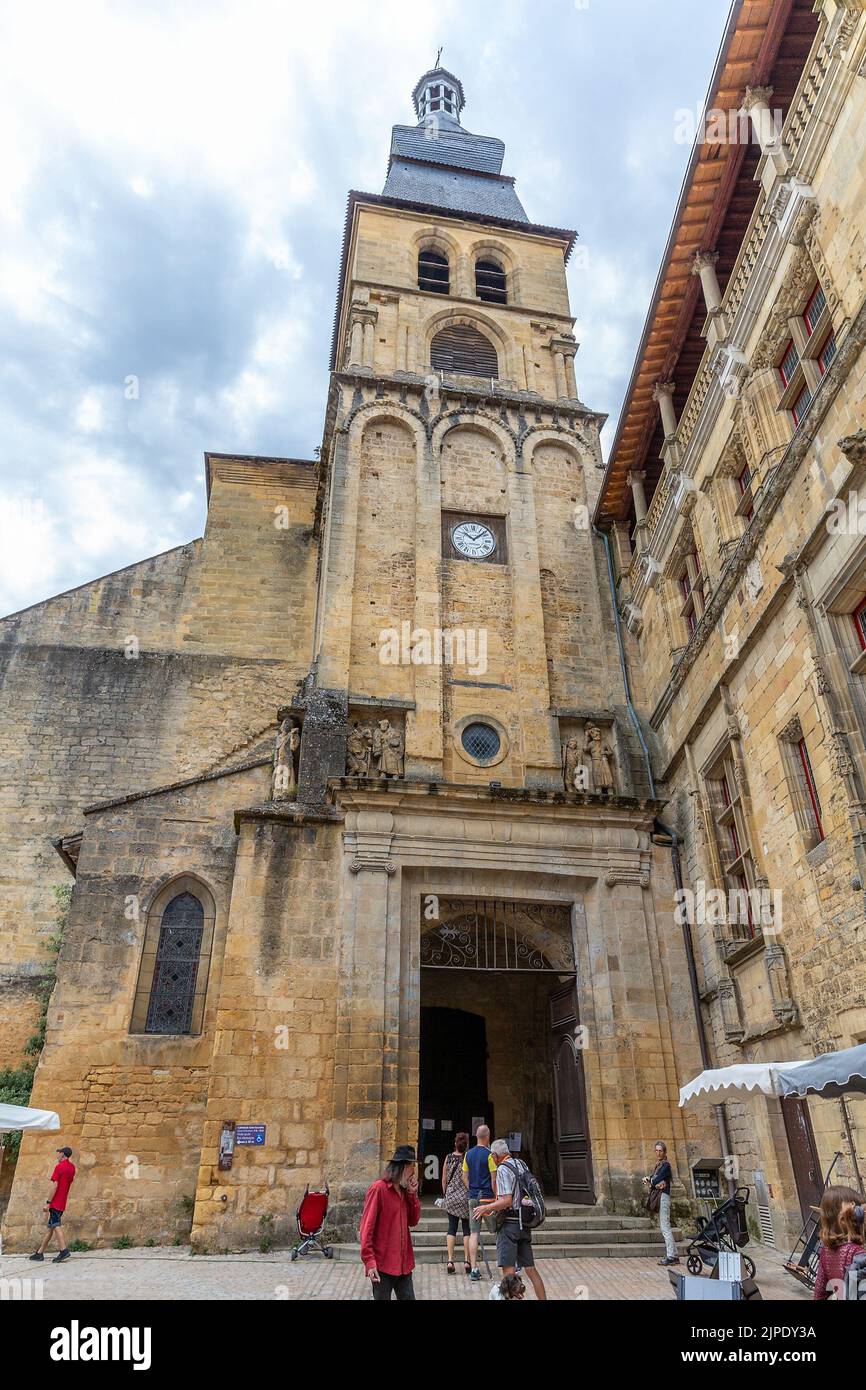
pixel 166 1273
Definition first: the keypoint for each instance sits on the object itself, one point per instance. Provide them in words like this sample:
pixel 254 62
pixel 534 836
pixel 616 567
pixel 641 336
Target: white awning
pixel 747 1076
pixel 22 1117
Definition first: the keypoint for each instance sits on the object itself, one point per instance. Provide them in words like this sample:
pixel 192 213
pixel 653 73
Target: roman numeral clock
pixel 473 540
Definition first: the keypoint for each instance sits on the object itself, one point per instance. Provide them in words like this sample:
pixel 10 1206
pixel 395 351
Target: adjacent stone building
pixel 733 499
pixel 362 822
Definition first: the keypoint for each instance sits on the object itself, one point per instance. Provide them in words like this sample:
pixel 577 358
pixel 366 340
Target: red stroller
pixel 310 1216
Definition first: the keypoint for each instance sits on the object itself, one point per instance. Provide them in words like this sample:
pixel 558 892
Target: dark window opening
pixel 464 351
pixel 859 616
pixel 490 282
pixel 433 272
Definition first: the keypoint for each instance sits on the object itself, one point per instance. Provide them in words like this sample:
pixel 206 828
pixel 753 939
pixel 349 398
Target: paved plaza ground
pixel 166 1273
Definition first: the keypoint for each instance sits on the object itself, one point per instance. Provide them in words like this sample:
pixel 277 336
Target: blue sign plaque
pixel 250 1134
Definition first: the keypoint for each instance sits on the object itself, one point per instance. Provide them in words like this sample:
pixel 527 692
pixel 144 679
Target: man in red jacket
pixel 391 1206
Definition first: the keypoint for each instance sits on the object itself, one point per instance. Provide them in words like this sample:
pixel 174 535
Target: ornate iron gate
pixel 495 934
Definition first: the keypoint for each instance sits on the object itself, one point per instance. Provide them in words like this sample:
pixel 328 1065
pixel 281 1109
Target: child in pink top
pixel 841 1240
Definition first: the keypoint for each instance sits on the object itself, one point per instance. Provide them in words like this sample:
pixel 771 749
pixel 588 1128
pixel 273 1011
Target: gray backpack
pixel 527 1192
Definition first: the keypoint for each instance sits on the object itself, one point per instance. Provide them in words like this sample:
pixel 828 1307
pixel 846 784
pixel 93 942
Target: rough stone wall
pixel 384 595
pixel 160 671
pixel 275 1034
pixel 132 1106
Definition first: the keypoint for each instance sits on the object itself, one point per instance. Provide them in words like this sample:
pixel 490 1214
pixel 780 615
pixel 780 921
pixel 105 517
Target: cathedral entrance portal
pixel 499 1039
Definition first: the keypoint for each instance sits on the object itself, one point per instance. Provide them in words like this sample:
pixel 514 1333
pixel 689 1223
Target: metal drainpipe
pixel 721 1113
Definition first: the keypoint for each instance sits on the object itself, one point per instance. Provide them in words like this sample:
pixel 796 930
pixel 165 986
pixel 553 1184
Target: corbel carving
pixel 853 446
pixel 792 732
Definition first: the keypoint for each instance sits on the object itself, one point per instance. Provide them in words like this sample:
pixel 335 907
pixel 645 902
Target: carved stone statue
pixel 600 757
pixel 571 762
pixel 387 750
pixel 288 741
pixel 359 747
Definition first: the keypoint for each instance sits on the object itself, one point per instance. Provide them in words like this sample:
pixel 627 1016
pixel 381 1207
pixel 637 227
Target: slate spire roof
pixel 438 163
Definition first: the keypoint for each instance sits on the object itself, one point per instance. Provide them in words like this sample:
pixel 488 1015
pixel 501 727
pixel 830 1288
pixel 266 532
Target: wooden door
pixel 804 1154
pixel 570 1126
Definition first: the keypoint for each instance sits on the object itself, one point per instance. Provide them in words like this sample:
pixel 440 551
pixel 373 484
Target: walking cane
pixel 481 1248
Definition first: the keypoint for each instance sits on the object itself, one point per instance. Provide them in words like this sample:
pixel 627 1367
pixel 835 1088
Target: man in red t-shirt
pixel 62 1177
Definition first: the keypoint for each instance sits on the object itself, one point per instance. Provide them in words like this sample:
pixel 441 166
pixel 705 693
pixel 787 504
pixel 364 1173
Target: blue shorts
pixel 54 1218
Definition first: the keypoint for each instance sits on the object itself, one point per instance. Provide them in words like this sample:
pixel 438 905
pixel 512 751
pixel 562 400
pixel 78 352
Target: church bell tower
pixel 457 592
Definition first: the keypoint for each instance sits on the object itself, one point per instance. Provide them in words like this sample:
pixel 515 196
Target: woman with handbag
pixel 658 1199
pixel 456 1200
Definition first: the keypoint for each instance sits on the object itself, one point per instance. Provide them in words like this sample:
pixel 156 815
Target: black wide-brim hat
pixel 404 1153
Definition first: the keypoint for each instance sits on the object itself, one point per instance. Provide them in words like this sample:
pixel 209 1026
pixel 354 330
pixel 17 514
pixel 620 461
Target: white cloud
pixel 172 191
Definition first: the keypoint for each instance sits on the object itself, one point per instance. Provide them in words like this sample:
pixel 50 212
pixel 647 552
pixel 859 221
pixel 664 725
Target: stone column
pixel 559 373
pixel 563 350
pixel 756 102
pixel 663 393
pixel 369 343
pixel 704 265
pixel 636 482
pixel 356 348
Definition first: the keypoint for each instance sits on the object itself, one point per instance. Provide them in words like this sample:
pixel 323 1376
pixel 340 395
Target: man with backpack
pixel 519 1209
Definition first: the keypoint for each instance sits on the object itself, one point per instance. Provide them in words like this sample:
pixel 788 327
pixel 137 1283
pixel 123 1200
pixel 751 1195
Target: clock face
pixel 472 539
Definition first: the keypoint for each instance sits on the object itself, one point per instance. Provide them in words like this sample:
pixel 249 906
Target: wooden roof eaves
pixel 733 71
pixel 715 84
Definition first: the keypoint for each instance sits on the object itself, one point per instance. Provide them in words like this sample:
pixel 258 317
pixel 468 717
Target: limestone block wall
pixel 275 1034
pixel 385 541
pixel 160 671
pixel 132 1106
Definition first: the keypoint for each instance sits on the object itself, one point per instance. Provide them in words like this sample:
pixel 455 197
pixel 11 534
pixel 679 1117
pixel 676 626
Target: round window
pixel 481 742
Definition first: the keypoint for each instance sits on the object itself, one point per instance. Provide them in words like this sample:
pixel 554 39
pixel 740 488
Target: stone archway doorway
pixel 500 1040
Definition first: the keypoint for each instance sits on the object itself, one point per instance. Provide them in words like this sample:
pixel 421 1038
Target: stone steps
pixel 602 1235
pixel 600 1222
pixel 597 1251
pixel 568 1232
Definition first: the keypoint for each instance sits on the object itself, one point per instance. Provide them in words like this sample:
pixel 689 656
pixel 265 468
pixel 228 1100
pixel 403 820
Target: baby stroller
pixel 310 1216
pixel 725 1229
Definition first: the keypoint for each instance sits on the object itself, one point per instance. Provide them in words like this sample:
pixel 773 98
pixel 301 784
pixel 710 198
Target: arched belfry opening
pixel 464 351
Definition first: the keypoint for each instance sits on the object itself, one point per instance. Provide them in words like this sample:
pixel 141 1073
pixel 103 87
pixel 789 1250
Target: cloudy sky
pixel 173 180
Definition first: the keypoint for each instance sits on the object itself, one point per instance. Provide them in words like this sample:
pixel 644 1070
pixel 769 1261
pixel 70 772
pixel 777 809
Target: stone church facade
pixel 363 831
pixel 377 798
pixel 733 500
